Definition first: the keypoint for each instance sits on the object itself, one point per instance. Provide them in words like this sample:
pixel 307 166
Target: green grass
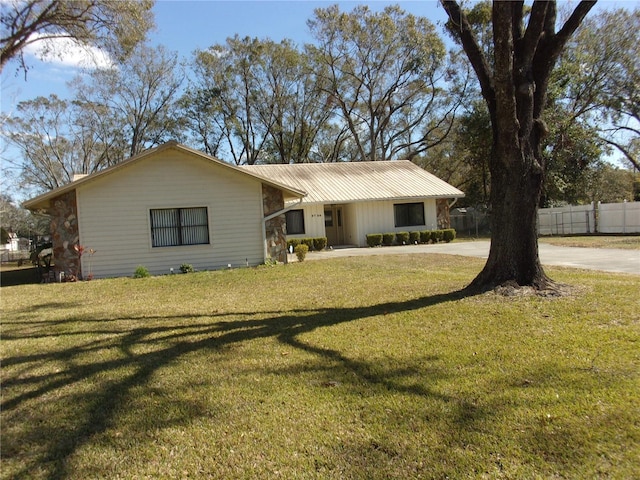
pixel 631 242
pixel 354 368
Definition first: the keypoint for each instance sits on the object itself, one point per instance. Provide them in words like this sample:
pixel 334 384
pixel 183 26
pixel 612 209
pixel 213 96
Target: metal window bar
pixel 179 226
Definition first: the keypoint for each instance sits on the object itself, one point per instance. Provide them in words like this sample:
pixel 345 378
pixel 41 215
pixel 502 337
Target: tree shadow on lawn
pixel 102 386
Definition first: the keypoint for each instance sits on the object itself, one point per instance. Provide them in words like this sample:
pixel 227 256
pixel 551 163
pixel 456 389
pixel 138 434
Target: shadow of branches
pixel 141 352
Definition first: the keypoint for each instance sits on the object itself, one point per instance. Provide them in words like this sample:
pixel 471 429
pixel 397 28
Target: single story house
pixel 348 200
pixel 172 205
pixel 165 207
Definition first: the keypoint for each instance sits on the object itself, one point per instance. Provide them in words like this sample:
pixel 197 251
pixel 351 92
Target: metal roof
pixel 349 182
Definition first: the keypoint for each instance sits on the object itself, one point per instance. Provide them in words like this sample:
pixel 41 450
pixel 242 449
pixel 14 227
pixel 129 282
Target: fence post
pixel 571 219
pixel 475 217
pixel 596 215
pixel 624 217
pixel 586 214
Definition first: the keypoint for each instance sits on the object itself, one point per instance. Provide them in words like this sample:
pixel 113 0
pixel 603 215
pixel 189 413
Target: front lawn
pixel 628 242
pixel 354 368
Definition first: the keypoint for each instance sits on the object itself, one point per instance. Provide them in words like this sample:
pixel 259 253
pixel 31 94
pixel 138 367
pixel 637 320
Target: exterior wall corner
pixel 442 208
pixel 65 235
pixel 275 228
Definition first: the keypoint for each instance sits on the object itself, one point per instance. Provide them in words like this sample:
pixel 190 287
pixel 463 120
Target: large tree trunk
pixel 514 86
pixel 513 256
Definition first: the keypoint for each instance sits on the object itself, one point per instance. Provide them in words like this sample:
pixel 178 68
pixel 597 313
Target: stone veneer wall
pixel 442 209
pixel 65 235
pixel 276 228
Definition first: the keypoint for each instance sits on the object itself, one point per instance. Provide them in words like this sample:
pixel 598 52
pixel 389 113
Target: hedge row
pixel 317 243
pixel 405 238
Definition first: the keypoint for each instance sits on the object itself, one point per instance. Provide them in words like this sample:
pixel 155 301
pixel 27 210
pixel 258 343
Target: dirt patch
pixel 557 290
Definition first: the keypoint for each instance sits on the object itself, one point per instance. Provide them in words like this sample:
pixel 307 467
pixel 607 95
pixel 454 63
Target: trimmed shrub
pixel 425 236
pixel 449 235
pixel 141 272
pixel 294 242
pixel 414 237
pixel 438 235
pixel 374 239
pixel 402 238
pixel 301 251
pixel 316 243
pixel 387 238
pixel 319 243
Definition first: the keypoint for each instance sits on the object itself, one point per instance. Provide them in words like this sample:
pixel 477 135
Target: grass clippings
pixel 354 368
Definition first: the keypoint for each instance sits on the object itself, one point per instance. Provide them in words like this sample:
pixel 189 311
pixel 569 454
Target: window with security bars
pixel 172 227
pixel 409 214
pixel 295 222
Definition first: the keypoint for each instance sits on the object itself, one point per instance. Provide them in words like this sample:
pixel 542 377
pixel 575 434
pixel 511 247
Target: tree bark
pixel 514 87
pixel 513 256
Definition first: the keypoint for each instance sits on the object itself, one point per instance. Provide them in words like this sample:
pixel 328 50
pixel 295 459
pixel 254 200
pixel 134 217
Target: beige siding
pixel 114 219
pixel 351 236
pixel 377 217
pixel 365 217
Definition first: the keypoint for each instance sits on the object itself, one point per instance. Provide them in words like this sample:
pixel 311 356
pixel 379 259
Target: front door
pixel 333 224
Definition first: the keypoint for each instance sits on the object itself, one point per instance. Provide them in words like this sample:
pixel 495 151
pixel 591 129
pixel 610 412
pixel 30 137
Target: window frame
pixel 179 227
pixel 299 211
pixel 410 214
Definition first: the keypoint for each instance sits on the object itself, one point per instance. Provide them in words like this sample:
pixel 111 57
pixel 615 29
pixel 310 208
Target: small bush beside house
pixel 387 238
pixel 187 268
pixel 449 235
pixel 404 238
pixel 141 272
pixel 319 243
pixel 313 244
pixel 301 252
pixel 374 239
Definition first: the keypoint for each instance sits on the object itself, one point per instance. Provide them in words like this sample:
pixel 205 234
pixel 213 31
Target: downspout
pixel 449 205
pixel 273 215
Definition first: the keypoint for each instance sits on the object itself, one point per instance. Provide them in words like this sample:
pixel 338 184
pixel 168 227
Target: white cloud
pixel 67 52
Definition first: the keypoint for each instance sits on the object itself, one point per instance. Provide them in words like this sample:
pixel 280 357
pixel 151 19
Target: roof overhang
pixel 42 203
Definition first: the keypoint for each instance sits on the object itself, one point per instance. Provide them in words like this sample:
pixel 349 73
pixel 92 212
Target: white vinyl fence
pixel 619 217
pixel 567 220
pixel 593 218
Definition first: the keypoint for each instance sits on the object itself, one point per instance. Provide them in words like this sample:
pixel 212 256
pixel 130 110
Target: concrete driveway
pixel 604 259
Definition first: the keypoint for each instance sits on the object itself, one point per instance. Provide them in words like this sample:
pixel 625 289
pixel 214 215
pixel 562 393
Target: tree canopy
pixel 385 73
pixel 115 26
pixel 374 84
pixel 114 114
pixel 602 79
